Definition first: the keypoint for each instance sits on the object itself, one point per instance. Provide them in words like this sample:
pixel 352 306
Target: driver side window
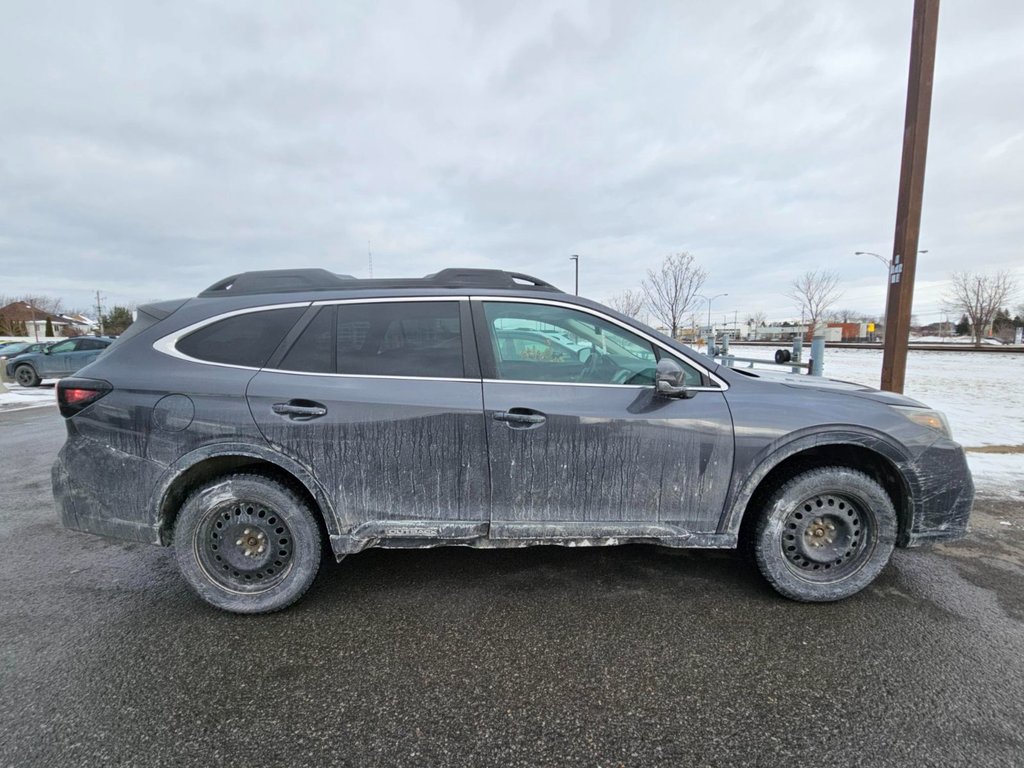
pixel 544 343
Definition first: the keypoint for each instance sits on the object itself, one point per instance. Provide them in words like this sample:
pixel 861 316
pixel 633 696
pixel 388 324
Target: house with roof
pixel 33 319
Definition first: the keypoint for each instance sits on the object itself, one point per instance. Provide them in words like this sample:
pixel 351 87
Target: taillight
pixel 75 394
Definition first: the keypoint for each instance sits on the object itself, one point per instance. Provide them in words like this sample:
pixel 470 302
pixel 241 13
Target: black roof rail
pixel 295 280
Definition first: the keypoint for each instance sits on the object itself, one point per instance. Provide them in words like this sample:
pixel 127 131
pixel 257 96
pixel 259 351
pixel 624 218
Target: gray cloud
pixel 149 150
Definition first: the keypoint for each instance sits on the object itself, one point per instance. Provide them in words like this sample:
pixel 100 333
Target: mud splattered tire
pixel 247 544
pixel 26 376
pixel 825 534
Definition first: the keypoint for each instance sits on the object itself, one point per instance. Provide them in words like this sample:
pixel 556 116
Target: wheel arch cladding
pixel 195 470
pixel 881 468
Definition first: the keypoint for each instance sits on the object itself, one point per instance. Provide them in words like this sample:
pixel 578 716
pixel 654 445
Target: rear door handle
pixel 300 410
pixel 520 418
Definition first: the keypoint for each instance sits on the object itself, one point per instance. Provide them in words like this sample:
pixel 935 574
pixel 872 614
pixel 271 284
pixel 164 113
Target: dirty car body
pixel 363 413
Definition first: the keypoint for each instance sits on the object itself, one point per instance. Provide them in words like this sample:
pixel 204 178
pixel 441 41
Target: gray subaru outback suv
pixel 281 411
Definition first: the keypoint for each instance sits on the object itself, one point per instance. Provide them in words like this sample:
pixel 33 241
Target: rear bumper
pixel 100 490
pixel 942 501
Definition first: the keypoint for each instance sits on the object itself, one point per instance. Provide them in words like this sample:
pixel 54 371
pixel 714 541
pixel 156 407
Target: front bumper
pixel 942 499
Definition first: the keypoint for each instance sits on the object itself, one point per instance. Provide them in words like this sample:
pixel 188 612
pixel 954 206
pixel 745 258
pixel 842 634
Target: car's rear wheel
pixel 247 544
pixel 26 376
pixel 825 534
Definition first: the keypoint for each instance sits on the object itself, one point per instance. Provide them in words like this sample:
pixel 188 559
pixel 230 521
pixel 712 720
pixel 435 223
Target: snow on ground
pixel 952 340
pixel 17 398
pixel 981 394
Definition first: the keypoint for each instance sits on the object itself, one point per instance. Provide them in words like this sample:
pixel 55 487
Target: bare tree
pixel 844 315
pixel 755 320
pixel 630 303
pixel 815 291
pixel 979 297
pixel 670 290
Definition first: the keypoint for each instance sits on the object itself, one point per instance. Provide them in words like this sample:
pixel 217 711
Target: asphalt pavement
pixel 629 656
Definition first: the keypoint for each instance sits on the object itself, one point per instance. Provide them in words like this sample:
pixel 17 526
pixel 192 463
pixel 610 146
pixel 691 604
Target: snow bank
pixel 18 398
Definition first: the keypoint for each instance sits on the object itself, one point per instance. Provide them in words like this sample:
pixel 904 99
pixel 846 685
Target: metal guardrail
pixel 784 358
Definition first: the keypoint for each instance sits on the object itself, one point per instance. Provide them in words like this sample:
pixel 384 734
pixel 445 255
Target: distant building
pixel 35 319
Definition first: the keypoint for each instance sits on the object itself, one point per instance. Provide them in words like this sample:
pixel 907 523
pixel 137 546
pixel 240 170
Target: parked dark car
pixel 11 351
pixel 280 411
pixel 56 360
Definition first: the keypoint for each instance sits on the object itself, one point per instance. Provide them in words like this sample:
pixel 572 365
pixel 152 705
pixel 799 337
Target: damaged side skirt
pixel 417 534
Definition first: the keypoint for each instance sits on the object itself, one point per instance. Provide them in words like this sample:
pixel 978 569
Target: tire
pixel 26 376
pixel 247 544
pixel 825 534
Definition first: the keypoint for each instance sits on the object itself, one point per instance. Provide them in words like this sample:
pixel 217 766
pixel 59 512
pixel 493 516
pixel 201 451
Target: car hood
pixel 821 384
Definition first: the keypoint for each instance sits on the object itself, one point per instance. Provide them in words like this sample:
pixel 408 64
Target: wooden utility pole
pixel 908 207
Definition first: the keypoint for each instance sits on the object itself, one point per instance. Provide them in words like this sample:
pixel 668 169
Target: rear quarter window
pixel 248 339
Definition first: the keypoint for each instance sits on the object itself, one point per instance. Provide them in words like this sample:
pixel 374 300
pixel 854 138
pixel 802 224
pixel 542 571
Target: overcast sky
pixel 147 150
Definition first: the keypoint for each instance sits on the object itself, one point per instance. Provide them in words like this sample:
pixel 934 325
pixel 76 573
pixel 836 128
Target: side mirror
pixel 669 379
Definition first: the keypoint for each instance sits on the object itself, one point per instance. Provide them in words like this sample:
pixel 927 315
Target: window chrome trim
pixel 367 376
pixel 722 384
pixel 168 344
pixel 572 384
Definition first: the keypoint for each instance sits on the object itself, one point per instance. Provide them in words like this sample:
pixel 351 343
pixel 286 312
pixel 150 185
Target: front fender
pixel 896 454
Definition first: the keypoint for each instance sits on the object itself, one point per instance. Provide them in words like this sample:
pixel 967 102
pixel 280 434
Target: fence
pixel 791 359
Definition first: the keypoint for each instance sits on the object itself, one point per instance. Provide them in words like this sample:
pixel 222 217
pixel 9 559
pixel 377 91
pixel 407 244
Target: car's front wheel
pixel 247 544
pixel 825 534
pixel 26 376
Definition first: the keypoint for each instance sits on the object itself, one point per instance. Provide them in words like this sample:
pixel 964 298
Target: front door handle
pixel 300 410
pixel 520 418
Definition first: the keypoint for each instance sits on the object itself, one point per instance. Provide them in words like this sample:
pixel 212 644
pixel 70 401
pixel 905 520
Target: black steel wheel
pixel 825 534
pixel 244 546
pixel 247 544
pixel 26 376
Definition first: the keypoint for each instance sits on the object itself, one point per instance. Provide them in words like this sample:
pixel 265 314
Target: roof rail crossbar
pixel 295 280
pixel 278 281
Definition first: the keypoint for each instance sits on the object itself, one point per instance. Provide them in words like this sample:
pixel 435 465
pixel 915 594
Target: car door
pixel 381 400
pixel 56 360
pixel 86 350
pixel 583 444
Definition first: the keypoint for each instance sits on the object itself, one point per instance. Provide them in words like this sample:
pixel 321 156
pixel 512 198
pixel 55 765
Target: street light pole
pixel 879 256
pixel 716 296
pixel 576 258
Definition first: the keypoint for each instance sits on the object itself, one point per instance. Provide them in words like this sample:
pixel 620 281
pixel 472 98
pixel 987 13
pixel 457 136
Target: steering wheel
pixel 590 365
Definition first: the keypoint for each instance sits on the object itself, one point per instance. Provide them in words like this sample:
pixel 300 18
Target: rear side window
pixel 412 338
pixel 247 339
pixel 87 344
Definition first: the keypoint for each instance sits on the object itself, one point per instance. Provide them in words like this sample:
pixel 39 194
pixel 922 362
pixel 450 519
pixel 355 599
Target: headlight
pixel 926 417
